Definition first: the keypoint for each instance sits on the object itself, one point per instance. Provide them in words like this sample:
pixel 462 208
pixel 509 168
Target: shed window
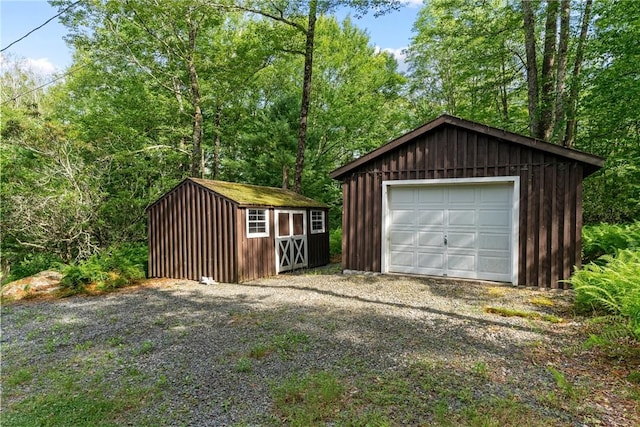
pixel 257 223
pixel 317 222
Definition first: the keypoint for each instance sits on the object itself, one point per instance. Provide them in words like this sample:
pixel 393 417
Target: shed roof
pixel 591 162
pixel 256 195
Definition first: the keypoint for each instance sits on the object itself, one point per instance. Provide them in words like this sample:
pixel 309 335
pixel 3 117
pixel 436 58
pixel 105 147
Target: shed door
pixel 291 240
pixel 451 230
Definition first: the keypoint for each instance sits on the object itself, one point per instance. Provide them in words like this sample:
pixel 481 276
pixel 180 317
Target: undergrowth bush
pixel 606 239
pixel 32 264
pixel 611 288
pixel 115 267
pixel 335 241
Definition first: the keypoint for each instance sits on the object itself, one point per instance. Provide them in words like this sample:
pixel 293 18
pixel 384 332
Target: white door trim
pixel 296 245
pixel 515 211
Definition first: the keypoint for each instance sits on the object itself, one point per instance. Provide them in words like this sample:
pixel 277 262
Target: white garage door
pixel 451 230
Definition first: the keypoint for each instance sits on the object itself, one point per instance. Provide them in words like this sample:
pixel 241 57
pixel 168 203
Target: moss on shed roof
pixel 256 195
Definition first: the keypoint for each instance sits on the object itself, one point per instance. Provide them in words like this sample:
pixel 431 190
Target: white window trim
pixel 515 211
pixel 265 233
pixel 322 230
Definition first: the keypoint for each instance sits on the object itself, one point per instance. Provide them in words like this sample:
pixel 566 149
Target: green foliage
pixel 607 239
pixel 308 400
pixel 32 263
pixel 335 241
pixel 613 288
pixel 116 267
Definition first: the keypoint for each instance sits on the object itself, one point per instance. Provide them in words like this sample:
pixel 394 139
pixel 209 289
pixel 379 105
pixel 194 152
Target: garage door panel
pixel 495 194
pixel 463 194
pixel 494 218
pixel 402 196
pixel 494 241
pixel 431 195
pixel 430 260
pixel 462 217
pixel 431 239
pixel 462 241
pixel 431 217
pixel 459 262
pixel 495 265
pixel 402 238
pixel 403 217
pixel 402 259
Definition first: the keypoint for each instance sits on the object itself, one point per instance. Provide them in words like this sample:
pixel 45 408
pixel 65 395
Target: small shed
pixel 455 198
pixel 232 232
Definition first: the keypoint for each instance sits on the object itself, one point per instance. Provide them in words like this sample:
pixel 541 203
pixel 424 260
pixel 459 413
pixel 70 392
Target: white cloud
pixel 399 54
pixel 413 3
pixel 40 65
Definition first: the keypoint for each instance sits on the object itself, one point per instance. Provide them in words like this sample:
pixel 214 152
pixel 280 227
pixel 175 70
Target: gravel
pixel 191 336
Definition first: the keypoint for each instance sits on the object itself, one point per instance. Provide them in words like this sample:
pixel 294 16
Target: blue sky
pixel 45 50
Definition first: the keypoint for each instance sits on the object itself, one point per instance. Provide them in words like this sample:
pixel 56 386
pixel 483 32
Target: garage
pixel 451 228
pixel 456 198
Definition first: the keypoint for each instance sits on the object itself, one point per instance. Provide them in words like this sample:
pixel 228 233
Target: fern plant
pixel 612 288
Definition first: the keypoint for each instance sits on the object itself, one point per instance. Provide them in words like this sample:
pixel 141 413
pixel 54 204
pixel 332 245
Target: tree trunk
pixel 563 48
pixel 285 177
pixel 196 156
pixel 548 60
pixel 306 96
pixel 572 103
pixel 216 144
pixel 532 67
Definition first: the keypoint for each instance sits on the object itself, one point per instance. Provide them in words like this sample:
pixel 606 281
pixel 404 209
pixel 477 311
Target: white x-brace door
pixel 291 240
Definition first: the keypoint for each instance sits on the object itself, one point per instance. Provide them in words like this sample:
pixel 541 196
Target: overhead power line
pixel 60 77
pixel 40 26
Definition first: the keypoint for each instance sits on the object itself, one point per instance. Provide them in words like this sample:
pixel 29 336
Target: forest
pixel 280 93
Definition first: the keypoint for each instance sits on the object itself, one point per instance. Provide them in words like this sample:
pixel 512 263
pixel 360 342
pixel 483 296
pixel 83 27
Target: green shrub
pixel 612 288
pixel 115 267
pixel 32 264
pixel 335 241
pixel 606 239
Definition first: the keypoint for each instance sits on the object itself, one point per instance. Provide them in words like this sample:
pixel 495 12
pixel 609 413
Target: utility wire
pixel 73 70
pixel 37 28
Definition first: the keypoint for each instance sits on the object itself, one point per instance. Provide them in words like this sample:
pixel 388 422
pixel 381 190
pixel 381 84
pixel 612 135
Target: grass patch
pixel 510 312
pixel 74 398
pixel 17 377
pixel 308 400
pixel 542 301
pixel 243 365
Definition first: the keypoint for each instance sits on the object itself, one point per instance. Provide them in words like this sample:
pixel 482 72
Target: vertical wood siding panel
pixel 578 240
pixel 361 236
pixel 554 244
pixel 566 226
pixel 377 222
pixel 531 230
pixel 346 207
pixel 367 242
pixel 244 263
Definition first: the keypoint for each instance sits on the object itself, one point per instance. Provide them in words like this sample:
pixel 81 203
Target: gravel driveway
pixel 198 347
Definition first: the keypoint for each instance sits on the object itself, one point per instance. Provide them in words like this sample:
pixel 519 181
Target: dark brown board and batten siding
pixel 550 215
pixel 196 232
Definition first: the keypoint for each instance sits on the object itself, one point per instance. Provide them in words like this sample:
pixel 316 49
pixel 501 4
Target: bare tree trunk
pixel 572 103
pixel 306 97
pixel 532 67
pixel 196 156
pixel 548 61
pixel 285 177
pixel 504 95
pixel 563 48
pixel 216 143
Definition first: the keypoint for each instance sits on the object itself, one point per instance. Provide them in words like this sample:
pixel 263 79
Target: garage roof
pixel 591 162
